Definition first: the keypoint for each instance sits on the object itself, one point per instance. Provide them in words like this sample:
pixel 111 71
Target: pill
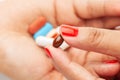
pixel 43 31
pixel 58 41
pixel 36 25
pixel 43 41
pixel 64 46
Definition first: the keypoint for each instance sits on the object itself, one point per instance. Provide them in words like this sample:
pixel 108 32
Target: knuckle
pixel 99 7
pixel 61 13
pixel 94 37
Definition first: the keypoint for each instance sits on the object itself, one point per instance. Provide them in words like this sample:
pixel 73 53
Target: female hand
pixel 20 58
pixel 93 39
pixel 90 39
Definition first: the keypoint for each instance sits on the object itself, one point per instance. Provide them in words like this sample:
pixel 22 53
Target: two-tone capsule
pixel 52 38
pixel 43 41
pixel 60 43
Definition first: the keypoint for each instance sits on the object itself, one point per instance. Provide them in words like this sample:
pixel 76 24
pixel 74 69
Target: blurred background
pixel 3 77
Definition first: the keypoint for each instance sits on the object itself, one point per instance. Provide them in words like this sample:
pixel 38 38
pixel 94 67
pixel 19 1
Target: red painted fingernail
pixel 48 52
pixel 69 31
pixel 111 61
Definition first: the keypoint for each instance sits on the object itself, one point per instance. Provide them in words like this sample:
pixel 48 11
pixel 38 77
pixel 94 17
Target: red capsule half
pixel 36 25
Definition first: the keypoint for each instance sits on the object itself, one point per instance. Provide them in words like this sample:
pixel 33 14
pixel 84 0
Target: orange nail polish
pixel 69 31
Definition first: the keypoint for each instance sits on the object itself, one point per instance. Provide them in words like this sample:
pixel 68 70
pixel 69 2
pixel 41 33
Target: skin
pixel 21 59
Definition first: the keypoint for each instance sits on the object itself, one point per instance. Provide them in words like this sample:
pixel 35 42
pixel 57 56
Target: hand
pixel 104 14
pixel 91 39
pixel 20 58
pixel 85 66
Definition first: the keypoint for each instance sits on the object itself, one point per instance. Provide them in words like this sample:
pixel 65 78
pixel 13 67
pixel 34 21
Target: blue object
pixel 43 31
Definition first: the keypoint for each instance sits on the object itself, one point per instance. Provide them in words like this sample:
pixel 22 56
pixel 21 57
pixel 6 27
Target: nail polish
pixel 67 30
pixel 111 61
pixel 48 52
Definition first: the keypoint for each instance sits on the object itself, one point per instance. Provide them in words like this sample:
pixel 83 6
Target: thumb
pixel 93 39
pixel 70 69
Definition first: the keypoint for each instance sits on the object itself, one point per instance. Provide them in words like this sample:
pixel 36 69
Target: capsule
pixel 64 46
pixel 52 37
pixel 36 25
pixel 43 41
pixel 43 31
pixel 58 41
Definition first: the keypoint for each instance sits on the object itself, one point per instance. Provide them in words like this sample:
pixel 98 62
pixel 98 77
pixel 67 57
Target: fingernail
pixel 48 52
pixel 67 30
pixel 111 61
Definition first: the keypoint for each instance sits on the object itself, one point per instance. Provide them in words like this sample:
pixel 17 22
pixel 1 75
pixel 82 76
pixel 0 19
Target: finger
pixel 93 39
pixel 56 11
pixel 106 69
pixel 103 65
pixel 86 9
pixel 70 69
pixel 80 10
pixel 97 8
pixel 107 22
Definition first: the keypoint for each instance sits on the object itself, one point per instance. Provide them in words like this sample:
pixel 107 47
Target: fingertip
pixel 58 56
pixel 107 69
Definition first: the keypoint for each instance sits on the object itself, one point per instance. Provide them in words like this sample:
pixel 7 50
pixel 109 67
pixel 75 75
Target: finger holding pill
pixel 58 42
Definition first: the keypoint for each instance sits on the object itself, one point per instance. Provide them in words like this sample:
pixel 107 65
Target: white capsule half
pixel 44 41
pixel 64 46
